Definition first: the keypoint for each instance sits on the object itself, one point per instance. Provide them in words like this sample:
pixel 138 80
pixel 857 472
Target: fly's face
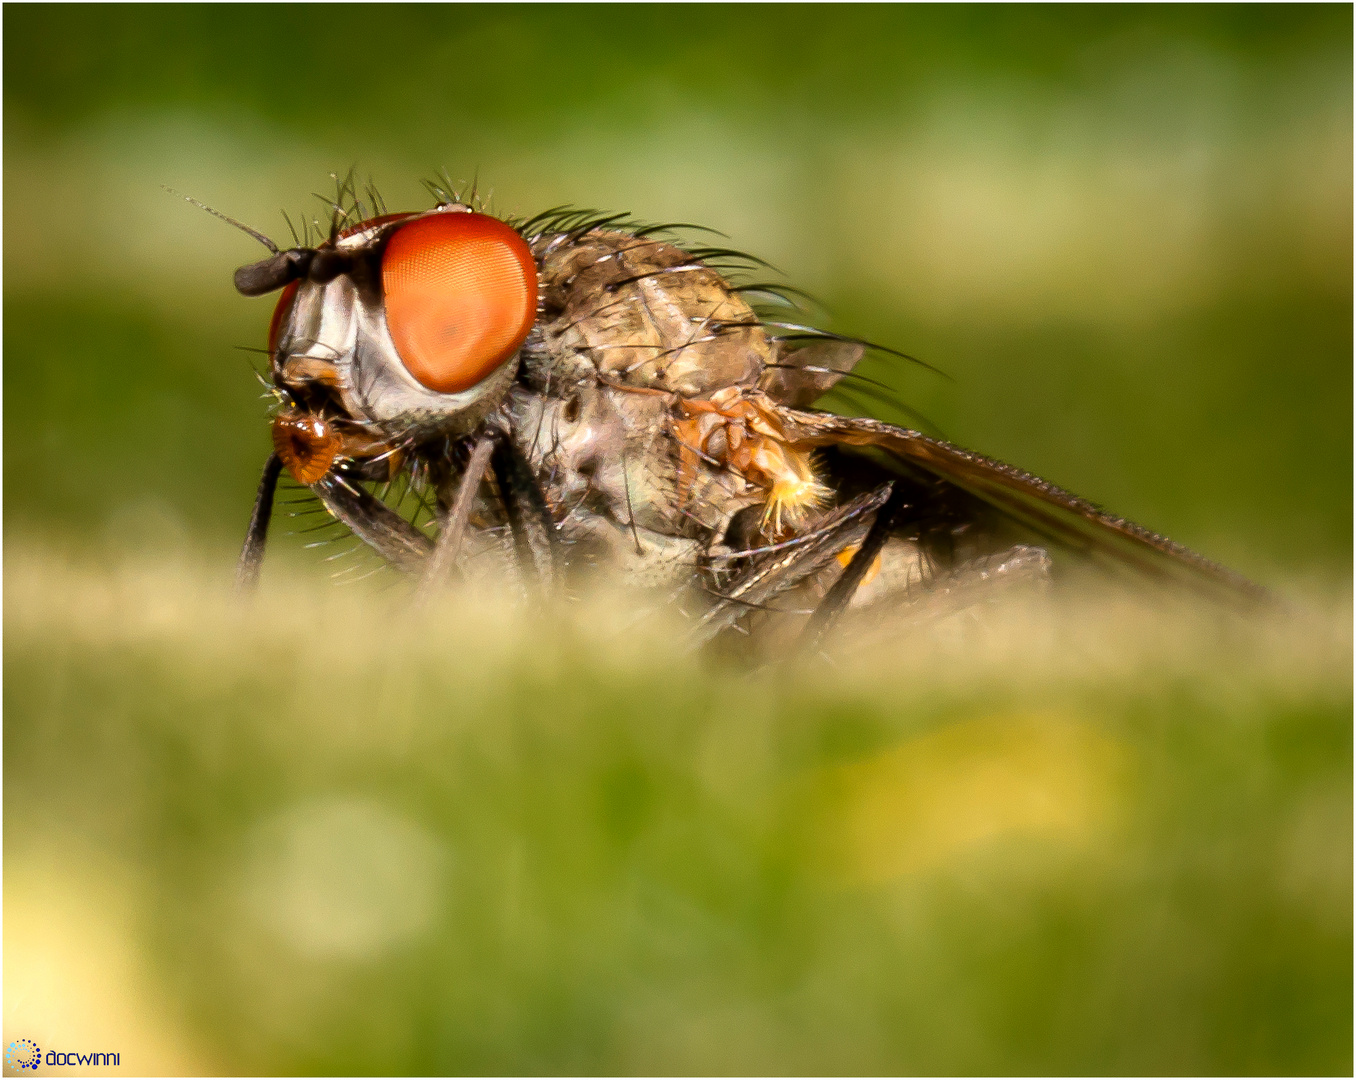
pixel 399 330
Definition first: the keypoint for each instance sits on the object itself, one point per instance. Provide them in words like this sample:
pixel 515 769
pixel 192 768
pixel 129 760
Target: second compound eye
pixel 461 294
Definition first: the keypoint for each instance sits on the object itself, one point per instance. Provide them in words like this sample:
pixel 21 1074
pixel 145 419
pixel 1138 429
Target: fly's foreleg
pixel 256 538
pixel 529 517
pixel 452 531
pixel 374 523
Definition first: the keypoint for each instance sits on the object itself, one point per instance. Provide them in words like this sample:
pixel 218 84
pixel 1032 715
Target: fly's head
pixel 402 329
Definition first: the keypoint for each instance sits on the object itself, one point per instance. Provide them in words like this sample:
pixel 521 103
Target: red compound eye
pixel 461 295
pixel 280 314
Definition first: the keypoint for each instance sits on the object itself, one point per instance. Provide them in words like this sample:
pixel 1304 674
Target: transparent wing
pixel 1055 515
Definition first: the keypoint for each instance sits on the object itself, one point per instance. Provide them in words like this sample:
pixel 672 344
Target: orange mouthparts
pixel 306 443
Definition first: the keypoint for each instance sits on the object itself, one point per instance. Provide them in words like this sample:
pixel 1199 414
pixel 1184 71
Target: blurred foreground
pixel 319 834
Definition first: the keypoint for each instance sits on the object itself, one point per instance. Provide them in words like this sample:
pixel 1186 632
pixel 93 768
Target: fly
pixel 576 392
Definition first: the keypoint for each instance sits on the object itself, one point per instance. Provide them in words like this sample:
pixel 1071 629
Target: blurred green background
pixel 1126 235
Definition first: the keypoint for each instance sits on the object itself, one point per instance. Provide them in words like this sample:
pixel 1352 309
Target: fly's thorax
pixel 622 468
pixel 644 313
pixel 601 451
pixel 609 474
pixel 645 316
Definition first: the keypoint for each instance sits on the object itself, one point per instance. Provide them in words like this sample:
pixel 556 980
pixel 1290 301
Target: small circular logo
pixel 23 1054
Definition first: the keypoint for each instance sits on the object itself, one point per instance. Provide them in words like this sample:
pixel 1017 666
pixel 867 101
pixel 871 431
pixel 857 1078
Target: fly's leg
pixel 783 566
pixel 529 518
pixel 453 530
pixel 252 554
pixel 838 597
pixel 374 523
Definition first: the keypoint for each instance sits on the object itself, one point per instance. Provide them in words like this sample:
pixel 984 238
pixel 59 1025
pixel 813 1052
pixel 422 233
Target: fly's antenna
pixel 229 220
